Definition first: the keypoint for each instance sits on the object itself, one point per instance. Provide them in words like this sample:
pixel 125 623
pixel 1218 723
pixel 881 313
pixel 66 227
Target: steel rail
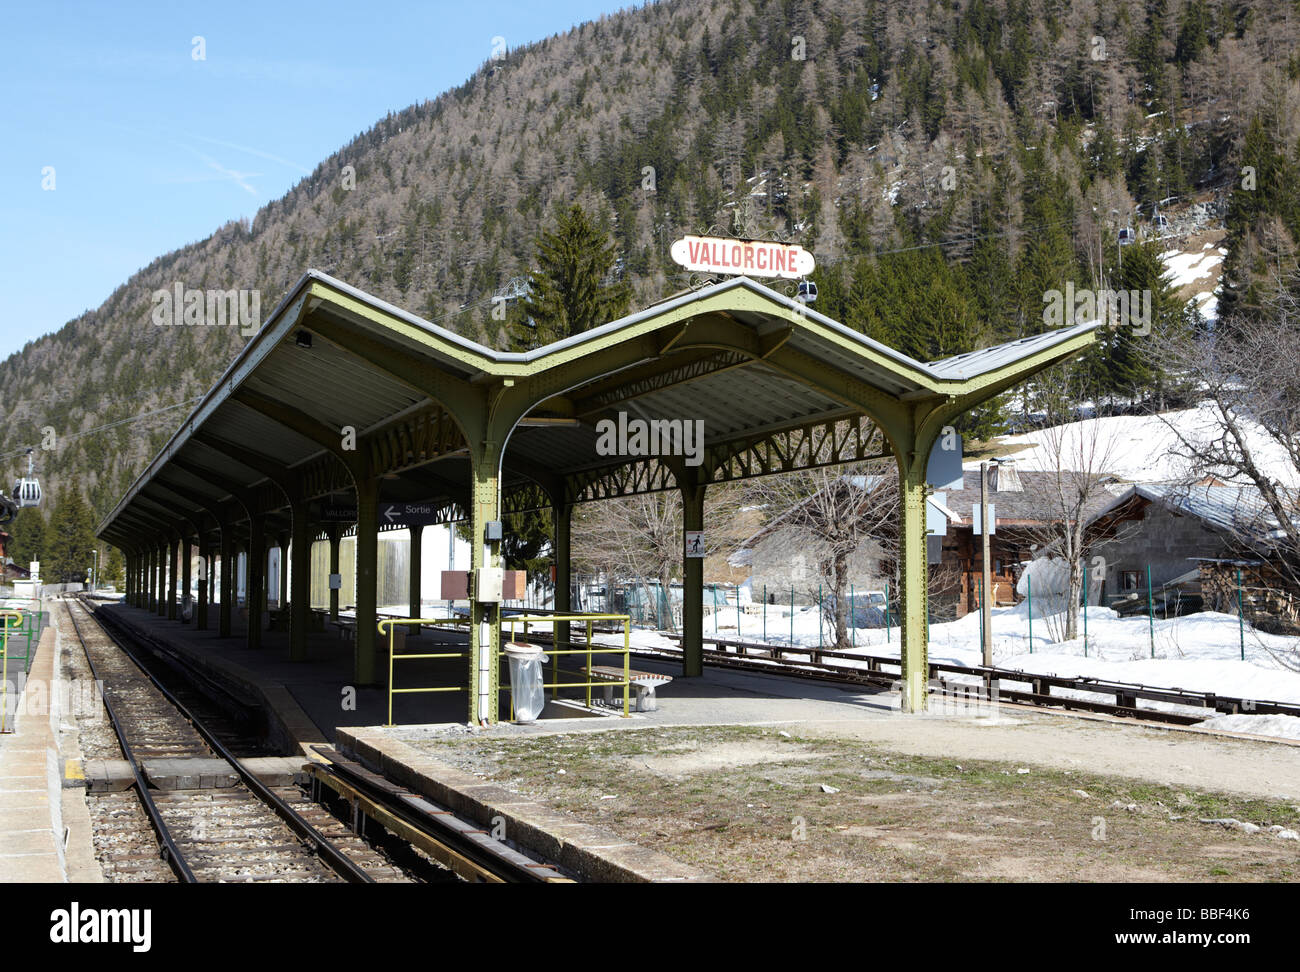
pixel 461 846
pixel 321 845
pixel 170 852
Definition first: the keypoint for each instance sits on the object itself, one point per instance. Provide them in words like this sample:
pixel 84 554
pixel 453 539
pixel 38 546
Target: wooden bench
pixel 645 684
pixel 347 629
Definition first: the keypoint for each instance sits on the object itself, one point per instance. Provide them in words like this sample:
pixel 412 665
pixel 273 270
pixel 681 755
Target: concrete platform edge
pixel 592 853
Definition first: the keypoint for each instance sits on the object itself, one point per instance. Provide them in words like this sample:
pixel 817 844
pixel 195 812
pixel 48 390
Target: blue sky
pixel 152 149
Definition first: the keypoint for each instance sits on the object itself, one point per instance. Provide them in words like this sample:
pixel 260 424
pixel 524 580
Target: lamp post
pixel 94 574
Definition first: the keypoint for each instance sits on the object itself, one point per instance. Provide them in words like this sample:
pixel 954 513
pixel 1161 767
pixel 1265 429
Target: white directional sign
pixel 408 514
pixel 752 258
pixel 978 526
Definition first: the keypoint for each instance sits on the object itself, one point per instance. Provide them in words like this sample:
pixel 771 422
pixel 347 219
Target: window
pixel 1129 581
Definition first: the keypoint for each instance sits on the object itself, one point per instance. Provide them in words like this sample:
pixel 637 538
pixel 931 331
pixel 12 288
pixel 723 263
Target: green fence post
pixel 715 607
pixel 1241 617
pixel 764 613
pixel 1029 597
pixel 1085 610
pixel 820 614
pixel 886 612
pixel 1151 615
pixel 737 612
pixel 791 614
pixel 853 615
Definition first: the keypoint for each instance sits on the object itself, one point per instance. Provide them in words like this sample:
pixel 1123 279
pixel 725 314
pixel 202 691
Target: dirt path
pixel 1170 757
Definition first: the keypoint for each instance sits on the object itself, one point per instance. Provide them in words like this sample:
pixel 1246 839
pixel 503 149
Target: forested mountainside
pixel 947 163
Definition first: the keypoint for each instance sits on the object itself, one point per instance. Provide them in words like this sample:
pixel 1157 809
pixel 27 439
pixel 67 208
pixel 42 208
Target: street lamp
pixel 94 574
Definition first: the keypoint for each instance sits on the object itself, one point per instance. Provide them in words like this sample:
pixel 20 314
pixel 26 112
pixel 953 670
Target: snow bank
pixel 1288 727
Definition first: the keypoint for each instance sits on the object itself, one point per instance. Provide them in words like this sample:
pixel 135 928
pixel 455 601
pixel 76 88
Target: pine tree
pixel 568 292
pixel 1263 223
pixel 27 533
pixel 115 569
pixel 69 541
pixel 1128 366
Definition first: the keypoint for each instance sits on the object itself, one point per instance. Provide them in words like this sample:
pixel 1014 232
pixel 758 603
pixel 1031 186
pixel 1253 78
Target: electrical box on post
pixel 488 582
pixel 492 530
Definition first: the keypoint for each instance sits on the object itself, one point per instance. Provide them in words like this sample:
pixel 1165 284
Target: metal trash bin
pixel 526 679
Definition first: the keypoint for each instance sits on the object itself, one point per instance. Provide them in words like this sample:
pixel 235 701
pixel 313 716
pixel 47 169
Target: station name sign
pixel 756 258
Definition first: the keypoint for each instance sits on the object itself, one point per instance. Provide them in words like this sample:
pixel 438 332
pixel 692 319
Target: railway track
pixel 348 806
pixel 249 832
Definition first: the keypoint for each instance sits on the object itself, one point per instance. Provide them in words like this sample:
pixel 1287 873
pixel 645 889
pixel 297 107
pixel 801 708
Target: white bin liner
pixel 526 680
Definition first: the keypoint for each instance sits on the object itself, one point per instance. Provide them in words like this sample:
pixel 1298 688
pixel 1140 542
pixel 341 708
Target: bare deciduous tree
pixel 1246 369
pixel 1075 459
pixel 834 511
pixel 637 539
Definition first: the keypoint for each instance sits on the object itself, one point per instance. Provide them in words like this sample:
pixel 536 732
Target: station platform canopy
pixel 346 408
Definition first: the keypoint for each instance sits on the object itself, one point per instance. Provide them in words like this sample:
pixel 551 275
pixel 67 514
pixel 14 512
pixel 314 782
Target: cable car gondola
pixel 27 490
pixel 807 292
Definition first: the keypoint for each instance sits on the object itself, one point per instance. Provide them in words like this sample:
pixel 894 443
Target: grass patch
pixel 753 803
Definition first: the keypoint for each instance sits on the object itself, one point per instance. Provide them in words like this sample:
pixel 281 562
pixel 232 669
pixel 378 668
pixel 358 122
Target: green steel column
pixel 563 513
pixel 148 591
pixel 334 569
pixel 485 627
pixel 913 571
pixel 413 574
pixel 255 598
pixel 300 596
pixel 692 583
pixel 185 576
pixel 365 667
pixel 224 614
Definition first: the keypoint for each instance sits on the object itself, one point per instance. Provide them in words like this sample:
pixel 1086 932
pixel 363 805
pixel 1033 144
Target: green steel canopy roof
pixel 754 365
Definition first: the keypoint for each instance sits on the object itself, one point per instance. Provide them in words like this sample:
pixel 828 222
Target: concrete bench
pixel 645 684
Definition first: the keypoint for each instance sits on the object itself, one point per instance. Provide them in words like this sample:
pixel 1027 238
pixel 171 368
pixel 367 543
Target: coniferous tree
pixel 27 533
pixel 69 541
pixel 569 292
pixel 1127 366
pixel 115 569
pixel 1263 223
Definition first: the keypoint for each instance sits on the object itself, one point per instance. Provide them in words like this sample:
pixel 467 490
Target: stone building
pixel 1193 538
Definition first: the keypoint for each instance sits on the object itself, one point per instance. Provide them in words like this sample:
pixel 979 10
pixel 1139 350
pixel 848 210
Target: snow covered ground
pixel 1202 269
pixel 1198 652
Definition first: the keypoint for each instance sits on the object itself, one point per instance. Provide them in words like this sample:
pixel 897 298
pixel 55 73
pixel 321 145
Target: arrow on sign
pixel 391 513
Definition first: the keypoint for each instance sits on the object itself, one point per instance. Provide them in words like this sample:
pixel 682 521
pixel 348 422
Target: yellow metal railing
pixel 12 620
pixel 391 624
pixel 555 685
